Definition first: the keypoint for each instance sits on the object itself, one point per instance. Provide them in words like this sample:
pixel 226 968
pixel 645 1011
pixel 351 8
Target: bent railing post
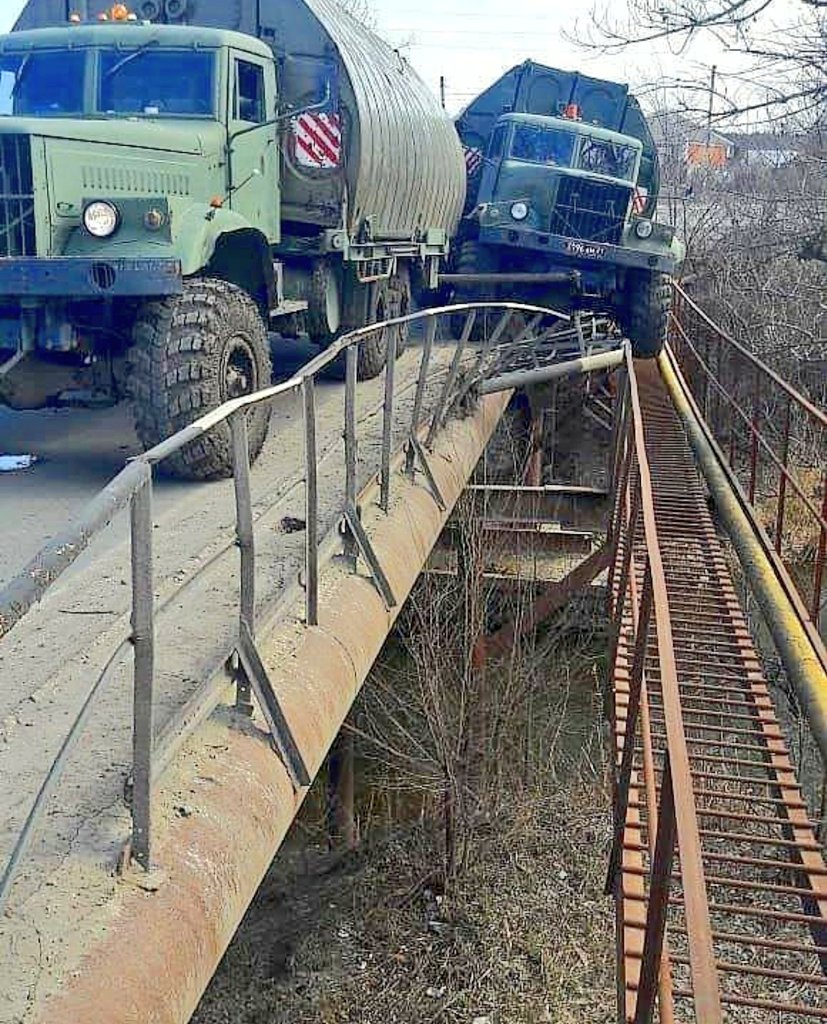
pixel 311 561
pixel 246 544
pixel 387 425
pixel 143 640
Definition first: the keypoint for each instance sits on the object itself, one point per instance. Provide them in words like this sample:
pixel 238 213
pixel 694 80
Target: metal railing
pixel 485 326
pixel 641 630
pixel 773 439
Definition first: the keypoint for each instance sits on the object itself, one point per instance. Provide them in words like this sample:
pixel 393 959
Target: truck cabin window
pixel 249 92
pixel 609 158
pixel 42 83
pixel 538 145
pixel 157 83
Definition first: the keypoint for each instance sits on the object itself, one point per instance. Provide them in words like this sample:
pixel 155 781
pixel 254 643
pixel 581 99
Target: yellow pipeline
pixel 800 658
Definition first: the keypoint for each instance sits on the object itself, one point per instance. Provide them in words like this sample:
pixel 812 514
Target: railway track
pixel 750 942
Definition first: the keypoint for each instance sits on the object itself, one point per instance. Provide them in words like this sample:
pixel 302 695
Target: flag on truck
pixel 473 159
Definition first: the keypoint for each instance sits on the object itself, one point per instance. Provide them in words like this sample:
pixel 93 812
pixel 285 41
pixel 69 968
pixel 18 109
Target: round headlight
pixel 643 228
pixel 101 219
pixel 519 211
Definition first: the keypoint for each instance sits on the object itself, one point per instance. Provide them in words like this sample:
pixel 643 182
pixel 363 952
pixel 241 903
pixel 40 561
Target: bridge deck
pixel 765 875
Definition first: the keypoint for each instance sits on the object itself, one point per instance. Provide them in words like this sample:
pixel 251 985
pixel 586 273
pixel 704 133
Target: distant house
pixel 708 148
pixel 684 145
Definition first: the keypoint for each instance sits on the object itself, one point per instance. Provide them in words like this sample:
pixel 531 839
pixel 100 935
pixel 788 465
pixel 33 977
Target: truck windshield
pixel 539 145
pixel 610 158
pixel 42 83
pixel 157 82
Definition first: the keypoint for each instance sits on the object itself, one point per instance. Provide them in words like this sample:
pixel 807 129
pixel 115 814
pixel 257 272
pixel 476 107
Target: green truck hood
pixel 186 137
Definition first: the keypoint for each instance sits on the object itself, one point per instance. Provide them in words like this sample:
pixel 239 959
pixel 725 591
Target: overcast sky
pixel 471 42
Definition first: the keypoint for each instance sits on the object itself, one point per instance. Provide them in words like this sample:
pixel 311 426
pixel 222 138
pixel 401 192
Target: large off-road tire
pixel 191 353
pixel 324 312
pixel 368 304
pixel 645 314
pixel 402 304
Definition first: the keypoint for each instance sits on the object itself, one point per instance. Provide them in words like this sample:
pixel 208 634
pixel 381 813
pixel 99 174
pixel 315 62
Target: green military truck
pixel 562 177
pixel 179 178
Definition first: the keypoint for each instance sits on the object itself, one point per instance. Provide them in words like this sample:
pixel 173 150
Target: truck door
pixel 491 167
pixel 254 160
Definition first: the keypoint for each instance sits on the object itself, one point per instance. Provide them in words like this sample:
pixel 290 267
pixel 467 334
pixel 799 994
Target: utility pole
pixel 442 90
pixel 709 112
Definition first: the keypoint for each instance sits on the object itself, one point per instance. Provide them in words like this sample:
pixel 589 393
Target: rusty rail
pixel 750 867
pixel 640 606
pixel 774 440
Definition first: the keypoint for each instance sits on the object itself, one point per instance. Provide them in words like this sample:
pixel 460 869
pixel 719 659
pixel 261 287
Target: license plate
pixel 585 249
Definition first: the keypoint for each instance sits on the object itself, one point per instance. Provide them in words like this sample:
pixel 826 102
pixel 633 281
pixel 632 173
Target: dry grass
pixel 524 935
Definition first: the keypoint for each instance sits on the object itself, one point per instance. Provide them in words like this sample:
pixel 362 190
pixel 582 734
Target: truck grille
pixel 17 230
pixel 590 210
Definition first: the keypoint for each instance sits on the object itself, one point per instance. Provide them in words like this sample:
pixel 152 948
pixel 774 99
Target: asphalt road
pixel 78 451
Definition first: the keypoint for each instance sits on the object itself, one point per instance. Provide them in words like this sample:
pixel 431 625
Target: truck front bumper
pixel 577 251
pixel 76 277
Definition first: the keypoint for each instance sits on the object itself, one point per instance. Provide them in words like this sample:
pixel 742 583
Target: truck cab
pixel 561 207
pixel 547 176
pixel 132 156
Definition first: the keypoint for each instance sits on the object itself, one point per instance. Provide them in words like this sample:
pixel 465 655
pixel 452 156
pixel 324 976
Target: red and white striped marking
pixel 639 197
pixel 318 139
pixel 473 159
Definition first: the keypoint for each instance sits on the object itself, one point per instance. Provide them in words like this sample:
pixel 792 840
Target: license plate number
pixel 586 249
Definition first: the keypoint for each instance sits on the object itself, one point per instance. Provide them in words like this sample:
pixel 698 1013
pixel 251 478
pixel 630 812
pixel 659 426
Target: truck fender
pixel 222 244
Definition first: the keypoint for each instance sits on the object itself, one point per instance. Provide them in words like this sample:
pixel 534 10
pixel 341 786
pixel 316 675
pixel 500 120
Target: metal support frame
pixel 387 424
pixel 369 555
pixel 280 733
pixel 741 395
pixel 634 533
pixel 427 348
pixel 351 449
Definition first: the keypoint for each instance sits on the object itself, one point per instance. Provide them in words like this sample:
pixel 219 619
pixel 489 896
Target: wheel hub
pixel 239 370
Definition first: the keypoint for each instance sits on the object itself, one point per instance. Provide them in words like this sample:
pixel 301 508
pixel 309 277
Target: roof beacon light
pixel 74 18
pixel 572 112
pixel 119 12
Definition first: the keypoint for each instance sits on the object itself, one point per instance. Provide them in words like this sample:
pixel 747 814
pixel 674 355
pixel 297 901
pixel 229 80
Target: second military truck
pixel 176 178
pixel 562 190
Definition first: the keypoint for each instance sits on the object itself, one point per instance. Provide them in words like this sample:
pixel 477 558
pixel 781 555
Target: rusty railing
pixel 642 631
pixel 773 439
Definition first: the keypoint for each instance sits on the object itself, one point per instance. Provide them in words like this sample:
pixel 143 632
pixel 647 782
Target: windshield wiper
pixel 129 58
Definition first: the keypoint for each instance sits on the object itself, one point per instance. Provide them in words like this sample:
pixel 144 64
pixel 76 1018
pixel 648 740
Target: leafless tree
pixel 782 73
